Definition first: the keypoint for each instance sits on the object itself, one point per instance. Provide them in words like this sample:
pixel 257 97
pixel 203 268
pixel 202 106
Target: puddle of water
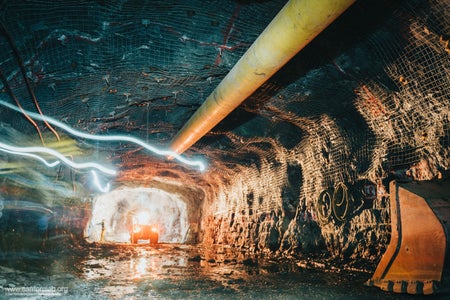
pixel 170 271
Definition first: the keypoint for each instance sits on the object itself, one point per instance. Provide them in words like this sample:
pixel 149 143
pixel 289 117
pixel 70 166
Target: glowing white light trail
pixel 28 150
pixel 110 138
pixel 97 183
pixel 54 164
pixel 50 165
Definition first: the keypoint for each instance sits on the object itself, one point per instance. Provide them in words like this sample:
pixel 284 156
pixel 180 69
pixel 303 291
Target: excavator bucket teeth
pixel 415 257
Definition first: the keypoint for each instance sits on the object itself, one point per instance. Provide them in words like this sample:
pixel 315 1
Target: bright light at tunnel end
pixel 143 217
pixel 122 210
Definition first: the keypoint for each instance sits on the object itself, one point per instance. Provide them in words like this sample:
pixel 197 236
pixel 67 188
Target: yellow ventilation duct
pixel 299 22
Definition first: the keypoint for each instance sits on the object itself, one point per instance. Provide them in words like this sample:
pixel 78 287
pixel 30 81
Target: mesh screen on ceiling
pixel 93 63
pixel 343 109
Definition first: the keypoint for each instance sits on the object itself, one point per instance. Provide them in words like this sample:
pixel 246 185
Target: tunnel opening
pixel 116 214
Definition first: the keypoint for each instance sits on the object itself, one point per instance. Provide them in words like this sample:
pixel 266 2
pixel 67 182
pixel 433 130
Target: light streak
pixel 50 165
pixel 110 138
pixel 97 183
pixel 88 165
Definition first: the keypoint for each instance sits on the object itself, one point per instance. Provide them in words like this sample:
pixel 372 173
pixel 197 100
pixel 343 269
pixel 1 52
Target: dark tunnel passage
pixel 328 180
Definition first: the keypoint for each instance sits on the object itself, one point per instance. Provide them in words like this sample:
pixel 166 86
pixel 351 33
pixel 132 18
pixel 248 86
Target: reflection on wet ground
pixel 169 271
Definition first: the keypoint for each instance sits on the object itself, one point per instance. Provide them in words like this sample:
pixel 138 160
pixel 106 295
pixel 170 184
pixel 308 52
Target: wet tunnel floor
pixel 169 271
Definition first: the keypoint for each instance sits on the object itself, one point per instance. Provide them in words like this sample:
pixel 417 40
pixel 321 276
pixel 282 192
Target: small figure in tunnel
pixel 102 234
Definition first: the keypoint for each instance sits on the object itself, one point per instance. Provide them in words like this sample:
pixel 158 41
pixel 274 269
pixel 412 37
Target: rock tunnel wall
pixel 393 128
pixel 266 210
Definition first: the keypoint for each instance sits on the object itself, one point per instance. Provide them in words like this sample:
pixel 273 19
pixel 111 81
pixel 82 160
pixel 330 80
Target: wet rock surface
pixel 172 271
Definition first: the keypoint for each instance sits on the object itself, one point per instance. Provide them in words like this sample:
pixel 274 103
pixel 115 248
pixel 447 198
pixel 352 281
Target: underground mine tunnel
pixel 224 149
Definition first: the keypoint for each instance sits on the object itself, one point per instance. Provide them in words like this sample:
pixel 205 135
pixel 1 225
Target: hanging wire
pixel 11 94
pixel 27 82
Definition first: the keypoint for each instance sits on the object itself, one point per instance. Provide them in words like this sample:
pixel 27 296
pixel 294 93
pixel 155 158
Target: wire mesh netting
pixel 139 68
pixel 359 103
